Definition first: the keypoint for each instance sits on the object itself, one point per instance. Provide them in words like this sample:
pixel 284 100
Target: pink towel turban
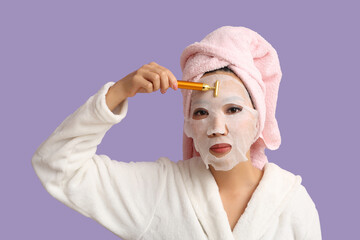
pixel 255 62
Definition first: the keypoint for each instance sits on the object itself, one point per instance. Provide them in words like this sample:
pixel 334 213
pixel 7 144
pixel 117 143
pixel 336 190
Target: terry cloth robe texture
pixel 162 199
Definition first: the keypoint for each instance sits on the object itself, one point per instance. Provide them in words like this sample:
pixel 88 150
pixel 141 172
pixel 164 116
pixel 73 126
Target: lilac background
pixel 55 54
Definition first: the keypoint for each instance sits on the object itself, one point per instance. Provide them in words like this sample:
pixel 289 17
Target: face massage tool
pixel 222 123
pixel 199 86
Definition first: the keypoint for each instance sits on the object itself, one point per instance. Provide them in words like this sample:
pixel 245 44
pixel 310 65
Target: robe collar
pixel 275 190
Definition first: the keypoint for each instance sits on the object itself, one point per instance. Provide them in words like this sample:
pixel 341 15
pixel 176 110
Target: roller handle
pixel 190 85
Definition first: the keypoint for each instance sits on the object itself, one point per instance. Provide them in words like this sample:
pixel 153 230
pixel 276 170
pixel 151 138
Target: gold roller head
pixel 206 87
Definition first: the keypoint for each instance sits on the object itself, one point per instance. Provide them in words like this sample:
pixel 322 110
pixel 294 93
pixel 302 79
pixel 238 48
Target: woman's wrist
pixel 115 96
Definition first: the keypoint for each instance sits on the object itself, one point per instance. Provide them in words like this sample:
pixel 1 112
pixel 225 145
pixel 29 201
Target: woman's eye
pixel 200 112
pixel 233 110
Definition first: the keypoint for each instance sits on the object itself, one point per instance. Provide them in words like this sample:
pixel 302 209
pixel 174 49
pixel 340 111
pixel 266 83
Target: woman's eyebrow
pixel 200 102
pixel 234 99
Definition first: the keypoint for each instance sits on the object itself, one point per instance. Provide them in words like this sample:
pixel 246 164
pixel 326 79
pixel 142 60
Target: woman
pixel 223 189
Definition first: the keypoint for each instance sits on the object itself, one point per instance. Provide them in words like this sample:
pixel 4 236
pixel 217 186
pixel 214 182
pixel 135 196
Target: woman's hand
pixel 149 78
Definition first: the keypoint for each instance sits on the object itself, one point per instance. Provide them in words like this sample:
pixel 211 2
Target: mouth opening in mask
pixel 220 149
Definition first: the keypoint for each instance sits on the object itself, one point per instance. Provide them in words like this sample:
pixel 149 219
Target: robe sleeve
pixel 120 196
pixel 314 232
pixel 305 221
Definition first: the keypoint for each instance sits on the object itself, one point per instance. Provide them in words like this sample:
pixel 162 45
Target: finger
pixel 172 82
pixel 154 64
pixel 143 85
pixel 164 82
pixel 165 75
pixel 160 77
pixel 154 78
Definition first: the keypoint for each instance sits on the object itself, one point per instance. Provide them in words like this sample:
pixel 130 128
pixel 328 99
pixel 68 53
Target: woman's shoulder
pixel 301 201
pixel 281 173
pixel 298 210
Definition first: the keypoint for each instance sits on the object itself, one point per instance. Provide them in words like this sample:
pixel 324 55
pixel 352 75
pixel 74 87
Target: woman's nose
pixel 218 133
pixel 218 128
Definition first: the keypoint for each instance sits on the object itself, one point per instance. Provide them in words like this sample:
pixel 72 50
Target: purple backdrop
pixel 55 55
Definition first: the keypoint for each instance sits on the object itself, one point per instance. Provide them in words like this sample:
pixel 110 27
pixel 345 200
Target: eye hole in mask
pixel 201 113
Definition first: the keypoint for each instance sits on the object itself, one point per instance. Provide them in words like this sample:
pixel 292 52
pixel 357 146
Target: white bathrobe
pixel 162 199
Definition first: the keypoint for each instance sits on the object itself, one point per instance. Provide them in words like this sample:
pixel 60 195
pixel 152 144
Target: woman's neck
pixel 244 176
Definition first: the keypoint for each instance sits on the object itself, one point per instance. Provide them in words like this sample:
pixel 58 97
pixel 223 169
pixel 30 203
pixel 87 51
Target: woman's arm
pixel 305 217
pixel 314 231
pixel 121 196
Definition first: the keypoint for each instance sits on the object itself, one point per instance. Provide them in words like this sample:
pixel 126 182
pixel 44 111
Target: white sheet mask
pixel 227 118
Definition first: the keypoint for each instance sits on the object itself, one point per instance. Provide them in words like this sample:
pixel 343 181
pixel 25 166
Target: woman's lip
pixel 221 148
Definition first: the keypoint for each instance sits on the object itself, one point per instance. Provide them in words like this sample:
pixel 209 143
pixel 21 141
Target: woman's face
pixel 223 127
